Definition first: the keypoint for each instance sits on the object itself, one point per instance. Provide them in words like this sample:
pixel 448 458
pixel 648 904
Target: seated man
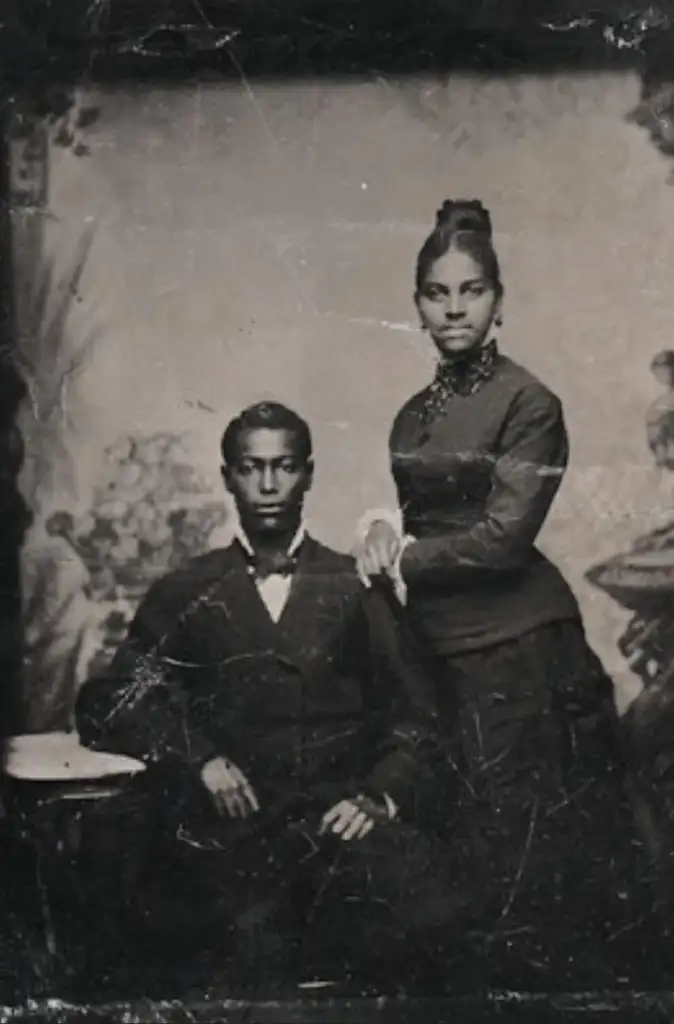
pixel 290 718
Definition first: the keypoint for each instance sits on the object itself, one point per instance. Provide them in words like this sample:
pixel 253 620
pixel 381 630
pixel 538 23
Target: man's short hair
pixel 266 416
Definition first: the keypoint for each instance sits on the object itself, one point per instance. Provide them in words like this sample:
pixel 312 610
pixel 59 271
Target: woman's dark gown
pixel 540 831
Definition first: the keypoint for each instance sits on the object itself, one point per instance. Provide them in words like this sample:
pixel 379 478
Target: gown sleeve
pixel 526 475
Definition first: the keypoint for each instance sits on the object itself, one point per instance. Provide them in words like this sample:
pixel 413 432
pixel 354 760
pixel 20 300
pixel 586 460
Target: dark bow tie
pixel 278 563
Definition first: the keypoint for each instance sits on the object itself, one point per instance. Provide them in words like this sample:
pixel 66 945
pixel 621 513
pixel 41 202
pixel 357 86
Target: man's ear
pixel 310 473
pixel 225 473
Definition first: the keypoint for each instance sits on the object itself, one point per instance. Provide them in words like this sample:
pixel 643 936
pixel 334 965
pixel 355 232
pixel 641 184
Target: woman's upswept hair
pixel 464 225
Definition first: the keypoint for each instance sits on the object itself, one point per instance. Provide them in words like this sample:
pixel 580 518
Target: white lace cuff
pixel 395 520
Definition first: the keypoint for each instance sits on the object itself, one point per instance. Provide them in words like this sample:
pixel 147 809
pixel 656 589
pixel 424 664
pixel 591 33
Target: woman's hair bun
pixel 463 215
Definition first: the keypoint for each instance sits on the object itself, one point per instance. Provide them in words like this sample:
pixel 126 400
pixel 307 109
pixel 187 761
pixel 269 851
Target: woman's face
pixel 457 305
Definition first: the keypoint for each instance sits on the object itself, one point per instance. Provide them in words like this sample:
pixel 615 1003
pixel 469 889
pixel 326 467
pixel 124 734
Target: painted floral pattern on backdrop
pixel 153 512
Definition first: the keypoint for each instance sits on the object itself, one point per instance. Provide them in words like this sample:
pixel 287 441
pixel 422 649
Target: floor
pixel 65 986
pixel 47 973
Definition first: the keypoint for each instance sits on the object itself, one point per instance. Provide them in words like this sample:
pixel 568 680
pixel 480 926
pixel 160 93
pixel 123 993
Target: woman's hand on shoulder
pixel 379 551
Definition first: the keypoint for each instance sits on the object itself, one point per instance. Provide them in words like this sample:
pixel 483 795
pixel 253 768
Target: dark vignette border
pixel 47 48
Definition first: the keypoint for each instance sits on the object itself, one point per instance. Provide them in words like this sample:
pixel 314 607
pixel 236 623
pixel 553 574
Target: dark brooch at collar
pixel 459 377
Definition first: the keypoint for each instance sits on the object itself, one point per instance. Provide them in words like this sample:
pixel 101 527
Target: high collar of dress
pixel 463 376
pixel 458 377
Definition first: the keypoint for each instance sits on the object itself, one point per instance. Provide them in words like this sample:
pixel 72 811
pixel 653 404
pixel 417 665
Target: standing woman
pixel 477 458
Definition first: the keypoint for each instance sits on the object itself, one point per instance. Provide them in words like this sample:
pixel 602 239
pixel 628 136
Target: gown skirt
pixel 542 837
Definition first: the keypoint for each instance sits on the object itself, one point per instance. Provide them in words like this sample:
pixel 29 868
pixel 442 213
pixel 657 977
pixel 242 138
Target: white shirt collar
pixel 240 535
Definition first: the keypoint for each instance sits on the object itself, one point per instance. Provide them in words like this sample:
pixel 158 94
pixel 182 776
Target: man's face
pixel 268 480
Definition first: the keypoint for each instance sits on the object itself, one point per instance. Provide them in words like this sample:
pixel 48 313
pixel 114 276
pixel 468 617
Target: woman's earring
pixel 498 320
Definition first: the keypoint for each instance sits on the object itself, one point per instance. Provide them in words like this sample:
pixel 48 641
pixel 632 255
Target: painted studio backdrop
pixel 201 248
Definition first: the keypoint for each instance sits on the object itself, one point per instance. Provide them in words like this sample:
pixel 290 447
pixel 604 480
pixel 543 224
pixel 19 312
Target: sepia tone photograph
pixel 345 448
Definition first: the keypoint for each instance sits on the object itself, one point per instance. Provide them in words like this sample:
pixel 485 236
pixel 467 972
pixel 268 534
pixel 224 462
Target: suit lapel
pixel 236 597
pixel 232 603
pixel 313 605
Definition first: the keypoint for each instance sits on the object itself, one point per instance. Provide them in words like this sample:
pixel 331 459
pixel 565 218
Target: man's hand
pixel 353 819
pixel 379 551
pixel 229 787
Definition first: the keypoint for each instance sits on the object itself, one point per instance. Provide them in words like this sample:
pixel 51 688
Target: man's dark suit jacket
pixel 335 698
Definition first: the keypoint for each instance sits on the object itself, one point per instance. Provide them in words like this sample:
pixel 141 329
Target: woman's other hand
pixel 379 552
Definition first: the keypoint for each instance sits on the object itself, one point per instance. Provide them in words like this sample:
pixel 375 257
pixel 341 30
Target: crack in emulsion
pixel 523 861
pixel 148 671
